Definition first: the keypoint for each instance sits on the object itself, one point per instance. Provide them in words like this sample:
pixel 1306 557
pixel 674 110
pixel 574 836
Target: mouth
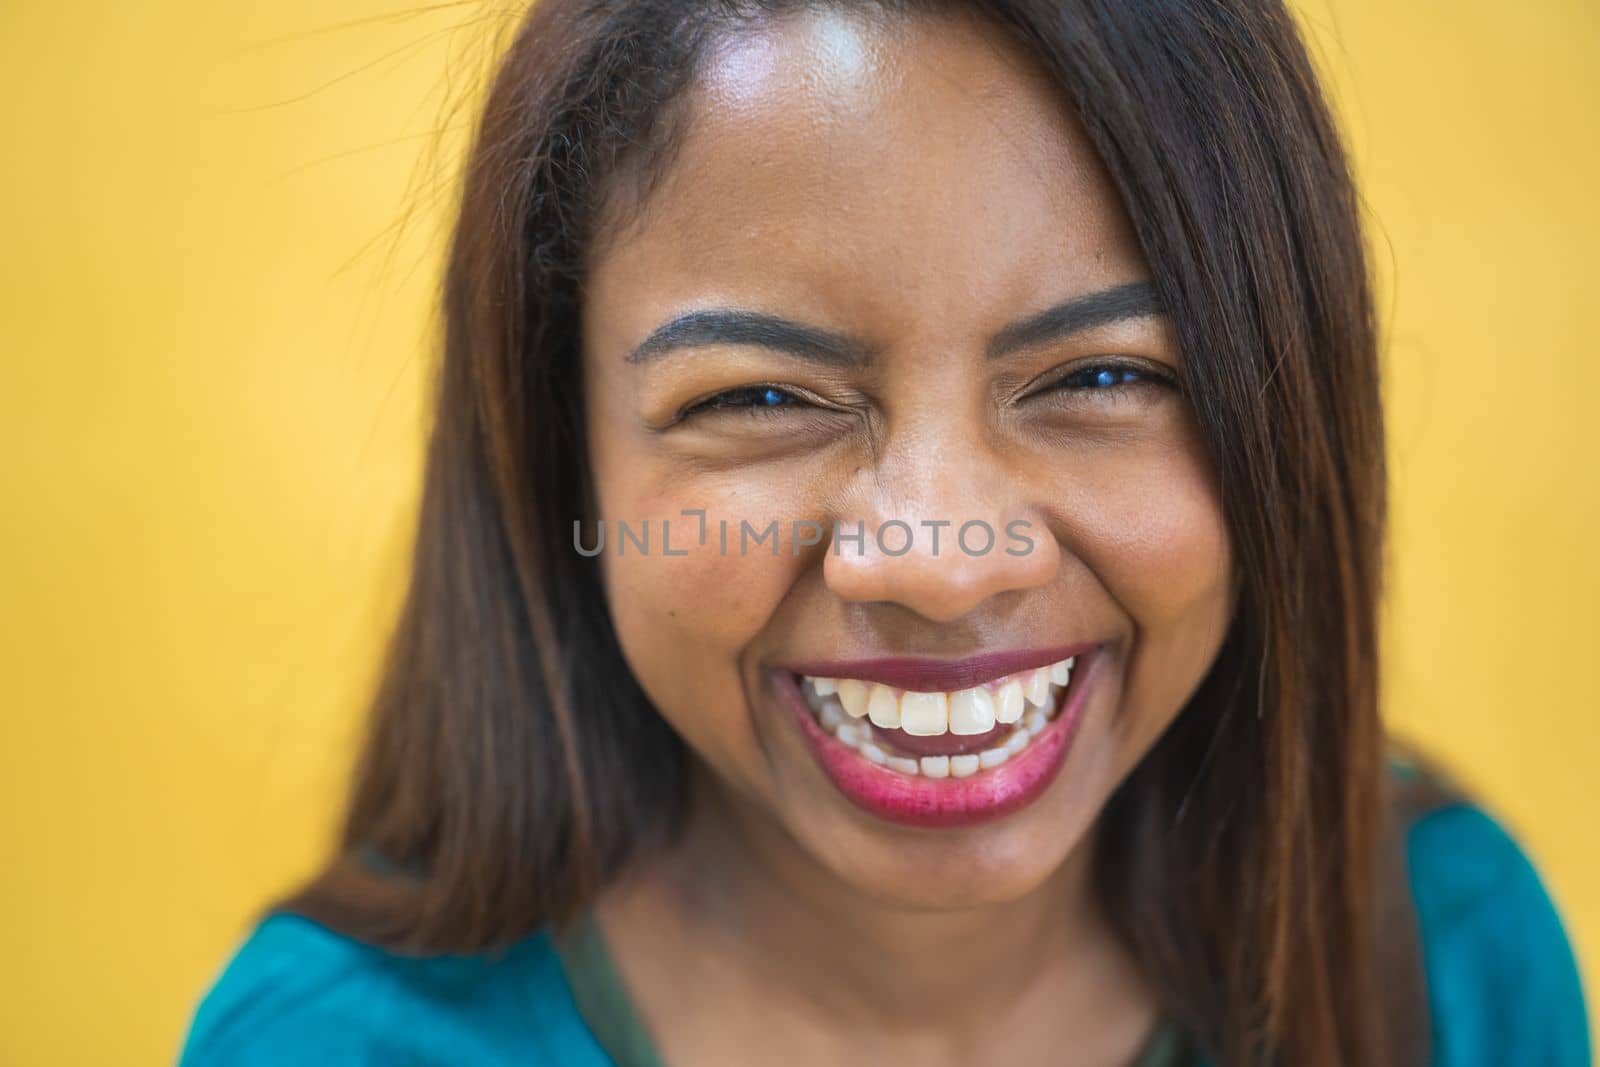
pixel 952 744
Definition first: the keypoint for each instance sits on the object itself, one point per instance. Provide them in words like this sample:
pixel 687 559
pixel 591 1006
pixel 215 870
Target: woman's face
pixel 886 288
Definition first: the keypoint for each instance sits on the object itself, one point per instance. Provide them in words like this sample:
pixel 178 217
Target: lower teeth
pixel 857 733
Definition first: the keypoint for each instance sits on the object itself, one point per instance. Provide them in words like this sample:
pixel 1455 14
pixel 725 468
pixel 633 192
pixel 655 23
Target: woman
pixel 897 578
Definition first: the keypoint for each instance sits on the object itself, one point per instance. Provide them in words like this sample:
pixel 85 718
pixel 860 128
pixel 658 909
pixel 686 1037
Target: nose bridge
pixel 942 471
pixel 939 525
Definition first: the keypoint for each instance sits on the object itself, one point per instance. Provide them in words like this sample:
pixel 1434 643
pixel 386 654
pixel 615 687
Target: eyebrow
pixel 697 329
pixel 1135 300
pixel 728 326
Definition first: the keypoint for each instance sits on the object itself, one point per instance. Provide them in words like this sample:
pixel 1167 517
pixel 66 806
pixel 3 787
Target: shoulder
pixel 1502 983
pixel 297 992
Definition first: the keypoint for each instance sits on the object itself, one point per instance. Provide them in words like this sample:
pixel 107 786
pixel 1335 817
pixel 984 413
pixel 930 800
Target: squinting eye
pixel 752 398
pixel 1098 378
pixel 1110 380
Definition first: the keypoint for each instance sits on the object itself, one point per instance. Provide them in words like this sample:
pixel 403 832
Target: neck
pixel 741 905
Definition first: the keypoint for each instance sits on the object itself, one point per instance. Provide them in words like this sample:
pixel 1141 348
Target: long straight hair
pixel 513 765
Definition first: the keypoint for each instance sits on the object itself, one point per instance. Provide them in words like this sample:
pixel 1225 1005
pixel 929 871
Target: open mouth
pixel 940 734
pixel 929 756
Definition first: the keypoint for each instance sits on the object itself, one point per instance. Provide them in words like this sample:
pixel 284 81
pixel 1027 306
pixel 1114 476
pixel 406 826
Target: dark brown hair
pixel 513 764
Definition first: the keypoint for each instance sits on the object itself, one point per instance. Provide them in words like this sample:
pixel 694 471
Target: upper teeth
pixel 966 711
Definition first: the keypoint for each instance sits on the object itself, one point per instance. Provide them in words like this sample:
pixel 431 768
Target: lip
pixel 950 802
pixel 930 675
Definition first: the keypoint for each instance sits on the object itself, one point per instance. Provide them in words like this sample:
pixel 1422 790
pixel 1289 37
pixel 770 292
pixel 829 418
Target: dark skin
pixel 912 191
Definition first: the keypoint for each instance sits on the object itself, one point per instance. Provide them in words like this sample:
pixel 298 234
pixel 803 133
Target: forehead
pixel 870 172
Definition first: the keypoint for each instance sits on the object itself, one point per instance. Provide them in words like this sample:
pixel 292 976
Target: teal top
pixel 1502 984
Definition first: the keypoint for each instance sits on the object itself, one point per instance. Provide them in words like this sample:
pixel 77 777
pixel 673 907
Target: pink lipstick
pixel 983 761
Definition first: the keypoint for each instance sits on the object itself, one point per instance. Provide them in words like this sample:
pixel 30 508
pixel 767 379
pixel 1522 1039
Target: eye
pixel 1104 376
pixel 754 399
pixel 1108 378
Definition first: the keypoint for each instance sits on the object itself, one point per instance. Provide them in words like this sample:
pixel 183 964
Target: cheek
pixel 685 622
pixel 1157 540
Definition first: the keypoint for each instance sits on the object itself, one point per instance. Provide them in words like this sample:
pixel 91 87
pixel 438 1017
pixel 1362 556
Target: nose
pixel 940 531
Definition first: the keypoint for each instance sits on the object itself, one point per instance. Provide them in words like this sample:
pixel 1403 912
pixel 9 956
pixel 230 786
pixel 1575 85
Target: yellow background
pixel 218 248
